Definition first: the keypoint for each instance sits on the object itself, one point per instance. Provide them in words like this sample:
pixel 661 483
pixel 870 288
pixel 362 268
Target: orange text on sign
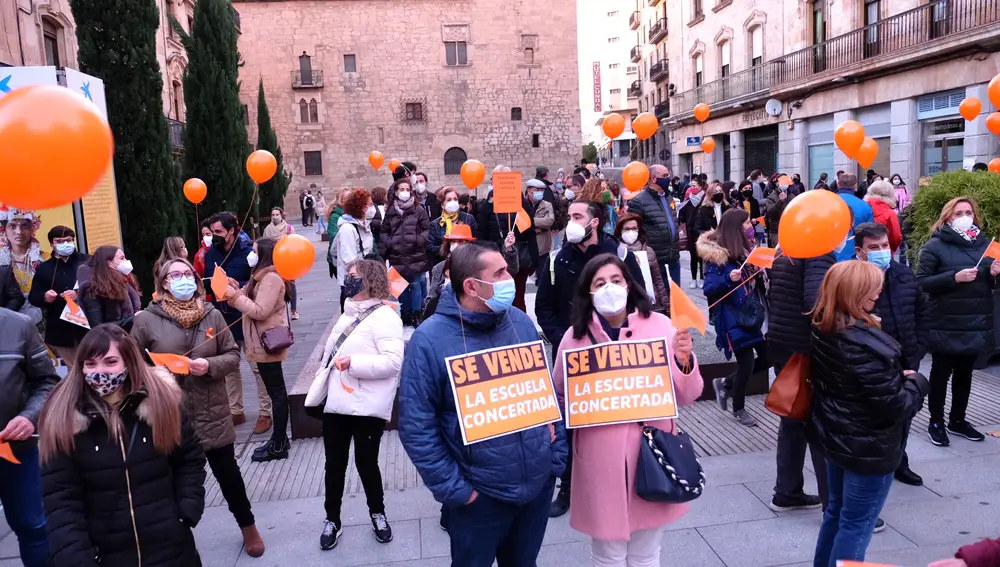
pixel 496 363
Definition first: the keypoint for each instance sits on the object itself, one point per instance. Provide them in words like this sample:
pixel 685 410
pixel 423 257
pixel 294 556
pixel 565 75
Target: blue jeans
pixel 21 496
pixel 849 522
pixel 489 529
pixel 412 298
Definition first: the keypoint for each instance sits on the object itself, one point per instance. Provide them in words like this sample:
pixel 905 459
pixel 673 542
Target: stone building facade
pixel 430 81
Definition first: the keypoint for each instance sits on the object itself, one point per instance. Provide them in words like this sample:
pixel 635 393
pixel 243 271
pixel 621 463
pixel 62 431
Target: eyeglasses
pixel 174 276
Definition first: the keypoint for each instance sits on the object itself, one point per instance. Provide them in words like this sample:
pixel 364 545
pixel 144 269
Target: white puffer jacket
pixel 375 346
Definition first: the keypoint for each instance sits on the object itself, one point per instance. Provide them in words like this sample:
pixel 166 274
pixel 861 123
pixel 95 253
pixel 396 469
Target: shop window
pixel 944 145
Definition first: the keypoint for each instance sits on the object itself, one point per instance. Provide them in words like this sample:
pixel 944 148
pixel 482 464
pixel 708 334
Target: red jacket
pixel 985 553
pixel 199 261
pixel 885 216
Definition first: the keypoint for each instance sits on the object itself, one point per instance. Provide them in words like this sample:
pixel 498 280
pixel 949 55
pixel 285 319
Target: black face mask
pixel 717 197
pixel 663 183
pixel 219 242
pixel 748 193
pixel 353 286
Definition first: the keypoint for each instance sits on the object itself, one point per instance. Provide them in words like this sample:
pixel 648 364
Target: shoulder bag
pixel 373 255
pixel 668 469
pixel 276 339
pixel 751 314
pixel 791 393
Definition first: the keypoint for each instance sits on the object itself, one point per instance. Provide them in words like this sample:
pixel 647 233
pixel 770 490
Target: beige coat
pixel 544 219
pixel 263 309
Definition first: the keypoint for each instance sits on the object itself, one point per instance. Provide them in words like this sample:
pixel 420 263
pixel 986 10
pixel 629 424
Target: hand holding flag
pixel 173 362
pixel 684 314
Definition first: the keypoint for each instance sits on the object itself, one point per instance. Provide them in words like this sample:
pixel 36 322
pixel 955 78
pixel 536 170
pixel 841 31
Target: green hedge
pixel 923 212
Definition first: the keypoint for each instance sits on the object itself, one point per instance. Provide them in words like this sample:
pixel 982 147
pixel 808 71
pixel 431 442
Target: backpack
pixel 309 201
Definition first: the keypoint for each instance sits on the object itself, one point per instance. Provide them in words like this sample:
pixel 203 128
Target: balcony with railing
pixel 637 54
pixel 658 30
pixel 635 89
pixel 662 110
pixel 634 20
pixel 176 130
pixel 938 31
pixel 307 79
pixel 658 70
pixel 653 2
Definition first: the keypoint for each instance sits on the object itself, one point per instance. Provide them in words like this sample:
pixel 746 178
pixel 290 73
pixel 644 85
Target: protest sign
pixel 502 390
pixel 619 382
pixel 219 283
pixel 72 313
pixel 506 192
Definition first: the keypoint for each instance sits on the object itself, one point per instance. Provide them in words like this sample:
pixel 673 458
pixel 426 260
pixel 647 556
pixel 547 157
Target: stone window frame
pixel 413 110
pixel 697 50
pixel 724 42
pixel 453 160
pixel 317 166
pixel 457 33
pixel 756 19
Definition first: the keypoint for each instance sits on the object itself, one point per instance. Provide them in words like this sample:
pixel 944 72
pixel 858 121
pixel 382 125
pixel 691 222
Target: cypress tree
pixel 215 139
pixel 272 193
pixel 117 43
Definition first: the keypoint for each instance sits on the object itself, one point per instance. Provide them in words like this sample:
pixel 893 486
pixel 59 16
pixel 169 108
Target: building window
pixel 944 145
pixel 245 109
pixel 515 113
pixel 303 111
pixel 699 70
pixel 350 63
pixel 724 55
pixel 757 46
pixel 414 112
pixel 50 35
pixel 313 111
pixel 456 53
pixel 305 69
pixel 873 10
pixel 615 91
pixel 314 162
pixel 178 98
pixel 631 70
pixel 614 65
pixel 612 13
pixel 535 141
pixel 698 12
pixel 612 40
pixel 529 55
pixel 453 160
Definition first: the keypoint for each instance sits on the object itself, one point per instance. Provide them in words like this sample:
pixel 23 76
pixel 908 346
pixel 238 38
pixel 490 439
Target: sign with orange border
pixel 503 390
pixel 619 382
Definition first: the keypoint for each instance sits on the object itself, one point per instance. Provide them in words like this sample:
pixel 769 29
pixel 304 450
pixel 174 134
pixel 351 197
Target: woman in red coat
pixel 882 198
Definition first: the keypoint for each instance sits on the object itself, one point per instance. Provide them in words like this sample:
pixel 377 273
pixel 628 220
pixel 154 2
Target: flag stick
pixel 984 254
pixel 747 258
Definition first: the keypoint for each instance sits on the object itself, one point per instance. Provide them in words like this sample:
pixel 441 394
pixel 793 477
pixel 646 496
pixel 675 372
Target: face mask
pixel 663 183
pixel 696 198
pixel 106 383
pixel 962 223
pixel 559 186
pixel 748 193
pixel 370 212
pixel 896 182
pixel 577 233
pixel 183 289
pixel 570 195
pixel 880 258
pixel 207 240
pixel 630 236
pixel 538 195
pixel 610 299
pixel 451 207
pixel 796 179
pixel 352 286
pixel 275 220
pixel 403 196
pixel 503 295
pixel 751 234
pixel 252 259
pixel 124 268
pixel 65 248
pixel 420 188
pixel 219 242
pixel 413 179
pixel 717 197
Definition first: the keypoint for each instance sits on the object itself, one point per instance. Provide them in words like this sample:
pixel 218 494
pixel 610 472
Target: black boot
pixel 561 504
pixel 906 476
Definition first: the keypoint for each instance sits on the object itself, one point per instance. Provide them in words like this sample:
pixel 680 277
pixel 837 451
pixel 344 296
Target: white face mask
pixel 420 188
pixel 962 223
pixel 630 236
pixel 575 233
pixel 403 196
pixel 252 259
pixel 451 207
pixel 370 212
pixel 125 267
pixel 570 194
pixel 611 299
pixel 413 179
pixel 207 240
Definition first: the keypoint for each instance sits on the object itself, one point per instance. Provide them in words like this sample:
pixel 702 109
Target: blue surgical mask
pixel 880 258
pixel 538 195
pixel 503 295
pixel 183 289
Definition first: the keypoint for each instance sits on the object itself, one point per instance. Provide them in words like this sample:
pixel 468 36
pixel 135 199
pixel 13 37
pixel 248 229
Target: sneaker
pixel 693 284
pixel 270 452
pixel 938 434
pixel 906 476
pixel 701 283
pixel 721 395
pixel 561 504
pixel 383 533
pixel 802 502
pixel 744 418
pixel 966 430
pixel 330 536
pixel 879 525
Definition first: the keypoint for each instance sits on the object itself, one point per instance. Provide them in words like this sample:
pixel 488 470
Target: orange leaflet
pixel 522 221
pixel 397 283
pixel 7 454
pixel 684 314
pixel 993 251
pixel 73 314
pixel 174 362
pixel 762 257
pixel 507 192
pixel 219 283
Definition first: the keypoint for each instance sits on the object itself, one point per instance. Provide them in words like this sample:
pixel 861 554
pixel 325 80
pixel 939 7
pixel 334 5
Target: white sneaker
pixel 693 284
pixel 701 283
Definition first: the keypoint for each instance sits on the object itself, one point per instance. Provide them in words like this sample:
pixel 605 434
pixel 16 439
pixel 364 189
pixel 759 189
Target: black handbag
pixel 668 470
pixel 751 314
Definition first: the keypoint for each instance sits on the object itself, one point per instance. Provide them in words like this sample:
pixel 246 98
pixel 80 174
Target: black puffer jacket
pixel 661 225
pixel 961 314
pixel 794 287
pixel 861 401
pixel 90 503
pixel 403 240
pixel 495 226
pixel 905 313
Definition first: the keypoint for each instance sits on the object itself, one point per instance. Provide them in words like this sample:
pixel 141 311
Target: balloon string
pixel 212 337
pixel 242 224
pixel 197 224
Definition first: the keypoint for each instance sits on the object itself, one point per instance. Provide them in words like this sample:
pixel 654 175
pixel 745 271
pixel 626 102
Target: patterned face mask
pixel 106 383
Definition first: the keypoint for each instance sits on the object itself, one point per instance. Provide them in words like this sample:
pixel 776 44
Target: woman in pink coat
pixel 626 530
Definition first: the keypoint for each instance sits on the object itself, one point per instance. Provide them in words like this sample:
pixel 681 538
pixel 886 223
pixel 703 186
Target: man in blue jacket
pixel 860 212
pixel 496 492
pixel 236 256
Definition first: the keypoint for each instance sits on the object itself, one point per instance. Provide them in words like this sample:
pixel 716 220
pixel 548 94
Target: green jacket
pixel 331 225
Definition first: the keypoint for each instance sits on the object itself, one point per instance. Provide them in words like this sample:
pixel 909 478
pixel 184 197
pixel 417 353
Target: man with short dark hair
pixel 659 217
pixel 310 208
pixel 904 310
pixel 55 282
pixel 497 501
pixel 836 180
pixel 860 212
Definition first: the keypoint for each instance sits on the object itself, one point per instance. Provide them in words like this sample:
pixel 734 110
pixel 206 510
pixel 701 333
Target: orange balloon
pixel 54 147
pixel 849 136
pixel 635 176
pixel 995 165
pixel 376 159
pixel 970 108
pixel 590 167
pixel 261 166
pixel 701 111
pixel 993 90
pixel 393 164
pixel 293 256
pixel 708 145
pixel 645 125
pixel 613 125
pixel 813 224
pixel 993 123
pixel 867 152
pixel 473 172
pixel 195 190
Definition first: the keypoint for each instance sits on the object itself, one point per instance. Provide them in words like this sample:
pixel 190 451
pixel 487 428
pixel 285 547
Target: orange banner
pixel 619 382
pixel 507 192
pixel 502 390
pixel 522 221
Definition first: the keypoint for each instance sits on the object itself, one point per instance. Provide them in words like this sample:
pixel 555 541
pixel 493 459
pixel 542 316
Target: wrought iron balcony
pixel 936 31
pixel 658 30
pixel 634 21
pixel 635 89
pixel 653 2
pixel 662 110
pixel 658 70
pixel 637 54
pixel 176 130
pixel 307 80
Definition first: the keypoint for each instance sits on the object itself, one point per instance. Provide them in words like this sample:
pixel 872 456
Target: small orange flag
pixel 993 251
pixel 684 314
pixel 522 221
pixel 761 220
pixel 397 283
pixel 7 454
pixel 174 362
pixel 762 257
pixel 219 283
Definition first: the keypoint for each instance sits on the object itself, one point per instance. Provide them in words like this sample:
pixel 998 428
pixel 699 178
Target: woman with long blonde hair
pixel 863 400
pixel 123 472
pixel 174 248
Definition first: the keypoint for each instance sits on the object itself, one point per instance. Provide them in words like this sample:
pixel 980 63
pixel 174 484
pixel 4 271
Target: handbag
pixel 751 314
pixel 791 393
pixel 278 339
pixel 682 237
pixel 668 470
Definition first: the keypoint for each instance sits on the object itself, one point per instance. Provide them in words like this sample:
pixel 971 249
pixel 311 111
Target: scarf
pixel 969 235
pixel 276 230
pixel 402 207
pixel 447 220
pixel 186 313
